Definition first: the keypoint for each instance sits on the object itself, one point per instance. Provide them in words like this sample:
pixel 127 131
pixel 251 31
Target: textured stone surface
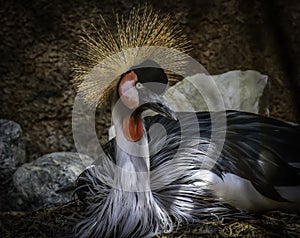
pixel 12 148
pixel 238 90
pixel 49 180
pixel 12 155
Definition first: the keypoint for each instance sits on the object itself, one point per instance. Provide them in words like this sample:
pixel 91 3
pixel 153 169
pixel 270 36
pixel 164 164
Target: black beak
pixel 155 102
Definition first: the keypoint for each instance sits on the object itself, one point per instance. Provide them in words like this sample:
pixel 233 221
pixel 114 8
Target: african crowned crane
pixel 148 180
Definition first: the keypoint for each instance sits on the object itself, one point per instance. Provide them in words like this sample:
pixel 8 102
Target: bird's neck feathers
pixel 132 156
pixel 137 213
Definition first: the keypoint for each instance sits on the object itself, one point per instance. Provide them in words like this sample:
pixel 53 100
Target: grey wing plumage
pixel 262 150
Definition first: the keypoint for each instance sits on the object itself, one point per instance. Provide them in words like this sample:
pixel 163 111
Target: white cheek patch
pixel 128 92
pixel 130 97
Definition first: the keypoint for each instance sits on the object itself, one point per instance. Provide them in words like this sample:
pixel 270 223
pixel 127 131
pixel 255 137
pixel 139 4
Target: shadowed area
pixel 37 44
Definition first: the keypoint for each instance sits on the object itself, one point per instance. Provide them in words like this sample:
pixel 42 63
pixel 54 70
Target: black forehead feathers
pixel 148 72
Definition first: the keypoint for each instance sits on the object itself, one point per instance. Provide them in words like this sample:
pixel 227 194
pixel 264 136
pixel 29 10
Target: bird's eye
pixel 139 85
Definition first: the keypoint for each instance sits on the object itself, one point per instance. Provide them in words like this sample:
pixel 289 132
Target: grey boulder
pixel 12 148
pixel 233 90
pixel 12 155
pixel 49 180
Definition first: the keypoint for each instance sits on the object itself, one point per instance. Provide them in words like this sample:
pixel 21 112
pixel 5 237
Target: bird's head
pixel 141 89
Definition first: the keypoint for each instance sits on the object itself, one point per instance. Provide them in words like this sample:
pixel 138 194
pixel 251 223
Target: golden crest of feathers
pixel 144 35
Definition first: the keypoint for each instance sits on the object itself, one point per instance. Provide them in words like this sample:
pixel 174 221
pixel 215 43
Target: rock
pixel 49 180
pixel 12 148
pixel 238 90
pixel 12 155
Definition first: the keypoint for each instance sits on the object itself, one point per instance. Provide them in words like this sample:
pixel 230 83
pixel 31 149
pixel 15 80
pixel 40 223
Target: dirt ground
pixel 36 48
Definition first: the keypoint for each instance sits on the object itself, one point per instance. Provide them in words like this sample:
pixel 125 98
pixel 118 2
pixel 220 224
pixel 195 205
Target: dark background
pixel 36 48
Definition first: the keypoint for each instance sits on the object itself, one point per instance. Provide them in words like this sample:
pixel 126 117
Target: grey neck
pixel 133 162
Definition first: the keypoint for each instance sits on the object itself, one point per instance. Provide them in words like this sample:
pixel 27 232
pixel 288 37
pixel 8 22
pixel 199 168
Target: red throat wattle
pixel 133 129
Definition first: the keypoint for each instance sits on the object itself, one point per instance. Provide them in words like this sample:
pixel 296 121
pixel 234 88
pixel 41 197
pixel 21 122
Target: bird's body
pixel 259 165
pixel 267 177
pixel 184 188
pixel 173 167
